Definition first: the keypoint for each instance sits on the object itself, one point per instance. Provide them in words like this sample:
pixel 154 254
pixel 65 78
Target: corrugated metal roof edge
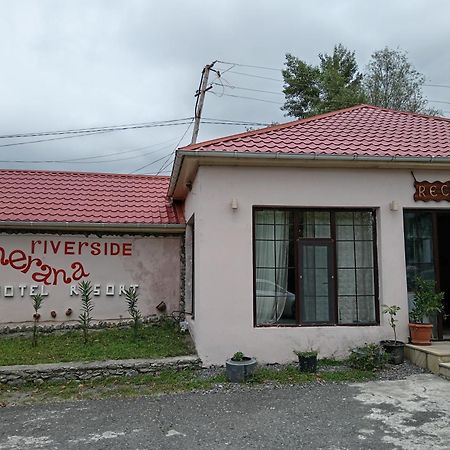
pixel 248 155
pixel 93 226
pixel 292 123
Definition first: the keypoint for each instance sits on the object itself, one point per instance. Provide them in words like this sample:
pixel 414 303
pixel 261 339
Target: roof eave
pixel 180 154
pixel 93 227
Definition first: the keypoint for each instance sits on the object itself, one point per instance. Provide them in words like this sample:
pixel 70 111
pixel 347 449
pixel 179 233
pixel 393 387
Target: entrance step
pixel 429 357
pixel 444 370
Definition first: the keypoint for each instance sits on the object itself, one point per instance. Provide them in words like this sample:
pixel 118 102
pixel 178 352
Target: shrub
pixel 131 298
pixel 368 357
pixel 85 317
pixel 238 356
pixel 37 303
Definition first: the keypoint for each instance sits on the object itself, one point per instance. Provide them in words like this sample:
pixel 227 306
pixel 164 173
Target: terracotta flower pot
pixel 420 333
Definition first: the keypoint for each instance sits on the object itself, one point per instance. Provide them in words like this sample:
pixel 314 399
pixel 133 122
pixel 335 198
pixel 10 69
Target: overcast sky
pixel 69 64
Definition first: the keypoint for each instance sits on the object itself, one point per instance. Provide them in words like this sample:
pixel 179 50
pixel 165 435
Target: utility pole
pixel 200 94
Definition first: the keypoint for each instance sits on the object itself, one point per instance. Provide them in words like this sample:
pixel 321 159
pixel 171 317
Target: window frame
pixel 296 214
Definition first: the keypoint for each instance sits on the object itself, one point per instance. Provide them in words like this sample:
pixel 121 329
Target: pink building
pixel 286 238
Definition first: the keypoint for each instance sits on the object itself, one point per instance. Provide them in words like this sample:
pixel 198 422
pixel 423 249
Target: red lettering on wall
pixel 41 272
pixel 69 248
pixel 127 249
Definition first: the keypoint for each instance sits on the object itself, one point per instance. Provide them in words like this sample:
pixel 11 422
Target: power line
pixel 97 129
pixel 167 156
pixel 248 65
pixel 438 85
pixel 256 76
pixel 88 158
pixel 248 89
pixel 439 101
pixel 251 98
pixel 207 122
pixel 52 139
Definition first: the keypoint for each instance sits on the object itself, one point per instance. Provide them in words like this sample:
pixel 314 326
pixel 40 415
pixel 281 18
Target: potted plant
pixel 307 361
pixel 395 349
pixel 240 367
pixel 426 302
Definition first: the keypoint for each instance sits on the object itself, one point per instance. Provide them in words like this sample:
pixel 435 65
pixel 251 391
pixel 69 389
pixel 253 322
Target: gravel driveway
pixel 410 413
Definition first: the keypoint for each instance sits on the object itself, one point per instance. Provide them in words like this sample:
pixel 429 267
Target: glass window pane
pixel 265 310
pixel 346 282
pixel 344 232
pixel 347 309
pixel 364 253
pixel 322 218
pixel 264 231
pixel 366 309
pixel 363 218
pixel 264 216
pixel 281 217
pixel 345 254
pixel 364 278
pixel 344 218
pixel 322 231
pixel 265 253
pixel 282 232
pixel 363 232
pixel 315 293
pixel 265 282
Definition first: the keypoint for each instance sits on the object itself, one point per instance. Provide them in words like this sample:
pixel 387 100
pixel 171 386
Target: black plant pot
pixel 307 363
pixel 395 350
pixel 239 371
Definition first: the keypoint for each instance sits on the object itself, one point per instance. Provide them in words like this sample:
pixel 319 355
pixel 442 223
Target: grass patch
pixel 155 341
pixel 167 381
pixel 291 375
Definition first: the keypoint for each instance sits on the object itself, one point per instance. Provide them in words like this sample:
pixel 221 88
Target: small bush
pixel 368 357
pixel 238 356
pixel 131 298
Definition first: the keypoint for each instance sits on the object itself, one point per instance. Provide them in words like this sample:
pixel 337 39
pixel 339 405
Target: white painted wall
pixel 153 263
pixel 223 253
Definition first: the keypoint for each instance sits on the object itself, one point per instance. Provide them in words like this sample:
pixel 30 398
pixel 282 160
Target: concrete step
pixel 444 370
pixel 429 356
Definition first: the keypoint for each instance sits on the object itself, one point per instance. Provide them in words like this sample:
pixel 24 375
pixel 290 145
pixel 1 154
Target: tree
pixel 334 84
pixel 392 82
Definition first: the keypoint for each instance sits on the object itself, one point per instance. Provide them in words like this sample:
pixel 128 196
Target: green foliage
pixel 155 341
pixel 238 356
pixel 392 311
pixel 87 306
pixel 334 84
pixel 37 303
pixel 307 354
pixel 368 357
pixel 426 300
pixel 131 297
pixel 392 82
pixel 389 81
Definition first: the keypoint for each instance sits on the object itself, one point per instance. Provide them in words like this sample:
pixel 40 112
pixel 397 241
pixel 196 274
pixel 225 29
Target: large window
pixel 314 267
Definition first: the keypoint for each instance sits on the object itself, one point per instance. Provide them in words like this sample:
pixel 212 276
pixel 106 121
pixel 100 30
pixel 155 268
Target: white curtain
pixel 271 265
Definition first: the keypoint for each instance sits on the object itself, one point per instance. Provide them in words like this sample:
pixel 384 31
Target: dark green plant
pixel 37 303
pixel 368 357
pixel 87 306
pixel 238 356
pixel 131 298
pixel 426 300
pixel 392 311
pixel 307 354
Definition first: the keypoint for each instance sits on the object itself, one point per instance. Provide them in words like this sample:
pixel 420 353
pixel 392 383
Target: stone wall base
pixel 82 371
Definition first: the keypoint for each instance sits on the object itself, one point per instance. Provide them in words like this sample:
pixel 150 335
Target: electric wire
pixel 98 129
pixel 167 156
pixel 250 98
pixel 249 65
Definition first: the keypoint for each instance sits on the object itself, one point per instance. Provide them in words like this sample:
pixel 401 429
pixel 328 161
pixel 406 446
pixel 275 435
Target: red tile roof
pixel 41 196
pixel 361 130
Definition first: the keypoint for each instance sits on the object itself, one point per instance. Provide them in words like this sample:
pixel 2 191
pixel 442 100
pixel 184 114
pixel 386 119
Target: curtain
pixel 272 257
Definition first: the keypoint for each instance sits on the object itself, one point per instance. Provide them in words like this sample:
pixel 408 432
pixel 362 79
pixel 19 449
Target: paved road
pixel 409 414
